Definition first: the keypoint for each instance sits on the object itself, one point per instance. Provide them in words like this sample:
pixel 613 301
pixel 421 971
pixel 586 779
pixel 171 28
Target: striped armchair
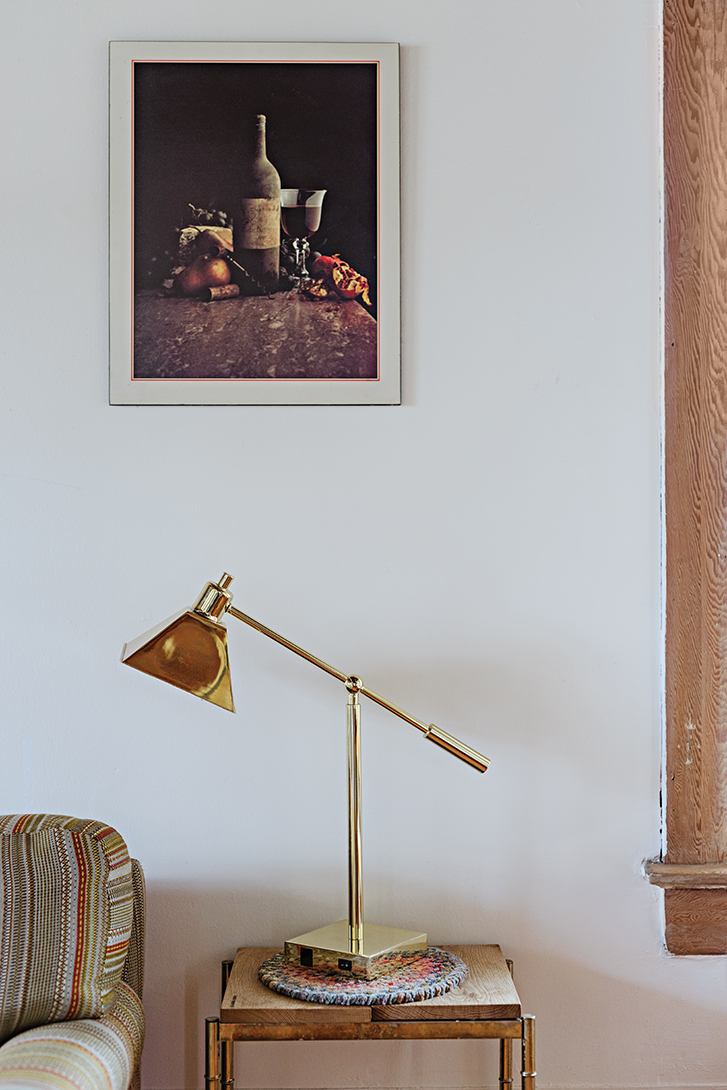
pixel 71 956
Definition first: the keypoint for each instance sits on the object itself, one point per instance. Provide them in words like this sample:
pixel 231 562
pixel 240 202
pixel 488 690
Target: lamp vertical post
pixel 355 842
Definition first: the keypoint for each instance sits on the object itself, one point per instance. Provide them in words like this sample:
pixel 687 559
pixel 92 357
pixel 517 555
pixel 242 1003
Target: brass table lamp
pixel 189 650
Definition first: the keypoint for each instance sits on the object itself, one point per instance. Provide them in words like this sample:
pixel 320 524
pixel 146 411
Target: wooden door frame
pixel 694 870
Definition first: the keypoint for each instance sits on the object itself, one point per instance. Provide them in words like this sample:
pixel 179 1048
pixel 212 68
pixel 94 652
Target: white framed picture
pixel 254 223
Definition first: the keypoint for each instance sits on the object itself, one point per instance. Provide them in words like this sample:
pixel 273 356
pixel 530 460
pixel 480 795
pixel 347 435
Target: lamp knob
pixel 214 599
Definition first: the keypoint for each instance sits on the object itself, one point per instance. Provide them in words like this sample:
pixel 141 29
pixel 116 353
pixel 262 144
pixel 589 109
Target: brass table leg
pixel 211 1054
pixel 227 1054
pixel 527 1071
pixel 505 1063
pixel 227 1065
pixel 506 1055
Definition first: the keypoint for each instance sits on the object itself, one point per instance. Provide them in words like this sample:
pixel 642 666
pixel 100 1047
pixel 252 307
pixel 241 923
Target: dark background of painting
pixel 194 124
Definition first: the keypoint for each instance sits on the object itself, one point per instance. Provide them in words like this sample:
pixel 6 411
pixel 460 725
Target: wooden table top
pixel 487 993
pixel 285 336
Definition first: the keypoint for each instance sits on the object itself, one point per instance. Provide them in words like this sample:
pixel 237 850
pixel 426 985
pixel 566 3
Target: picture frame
pixel 180 137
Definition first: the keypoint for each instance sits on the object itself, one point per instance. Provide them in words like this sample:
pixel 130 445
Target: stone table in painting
pixel 285 336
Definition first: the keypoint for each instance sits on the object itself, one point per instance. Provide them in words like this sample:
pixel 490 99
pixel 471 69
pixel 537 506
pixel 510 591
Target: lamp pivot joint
pixel 215 599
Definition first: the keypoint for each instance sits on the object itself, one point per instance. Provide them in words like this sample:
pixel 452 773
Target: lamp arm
pixel 430 731
pixel 287 643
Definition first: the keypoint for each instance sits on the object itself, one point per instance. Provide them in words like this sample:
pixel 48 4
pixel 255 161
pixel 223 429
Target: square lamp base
pixel 328 949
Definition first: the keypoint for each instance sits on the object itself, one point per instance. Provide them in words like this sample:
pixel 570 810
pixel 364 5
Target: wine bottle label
pixel 257 223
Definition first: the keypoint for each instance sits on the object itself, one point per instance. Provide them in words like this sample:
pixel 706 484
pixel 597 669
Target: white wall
pixel 487 554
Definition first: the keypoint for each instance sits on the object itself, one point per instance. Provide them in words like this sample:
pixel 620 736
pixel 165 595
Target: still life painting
pixel 254 223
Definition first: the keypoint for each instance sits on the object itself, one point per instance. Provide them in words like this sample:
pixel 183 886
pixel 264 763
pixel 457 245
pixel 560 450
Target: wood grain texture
pixel 695 112
pixel 247 1000
pixel 686 875
pixel 696 921
pixel 487 993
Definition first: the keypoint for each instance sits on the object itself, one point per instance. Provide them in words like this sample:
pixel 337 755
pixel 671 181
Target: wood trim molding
pixel 695 150
pixel 686 876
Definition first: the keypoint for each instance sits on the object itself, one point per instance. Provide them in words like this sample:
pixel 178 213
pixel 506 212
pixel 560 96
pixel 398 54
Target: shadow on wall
pixel 592 1029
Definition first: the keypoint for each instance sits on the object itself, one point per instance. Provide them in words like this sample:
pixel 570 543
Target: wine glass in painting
pixel 300 214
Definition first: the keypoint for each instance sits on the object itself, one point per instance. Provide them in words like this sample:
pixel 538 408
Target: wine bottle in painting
pixel 256 221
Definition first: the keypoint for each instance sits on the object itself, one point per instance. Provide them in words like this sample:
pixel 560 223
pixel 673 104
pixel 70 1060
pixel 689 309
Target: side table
pixel 486 1005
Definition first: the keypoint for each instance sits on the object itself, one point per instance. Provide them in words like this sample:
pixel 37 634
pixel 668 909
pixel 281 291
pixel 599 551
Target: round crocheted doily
pixel 408 977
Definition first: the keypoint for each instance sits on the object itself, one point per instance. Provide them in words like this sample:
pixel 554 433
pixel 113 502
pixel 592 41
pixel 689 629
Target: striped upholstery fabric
pixel 133 972
pixel 66 904
pixel 90 1054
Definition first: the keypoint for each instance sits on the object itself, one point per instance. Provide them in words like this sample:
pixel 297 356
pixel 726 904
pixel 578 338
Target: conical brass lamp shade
pixel 188 650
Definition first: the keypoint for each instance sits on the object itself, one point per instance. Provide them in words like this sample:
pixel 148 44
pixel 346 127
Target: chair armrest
pixel 133 972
